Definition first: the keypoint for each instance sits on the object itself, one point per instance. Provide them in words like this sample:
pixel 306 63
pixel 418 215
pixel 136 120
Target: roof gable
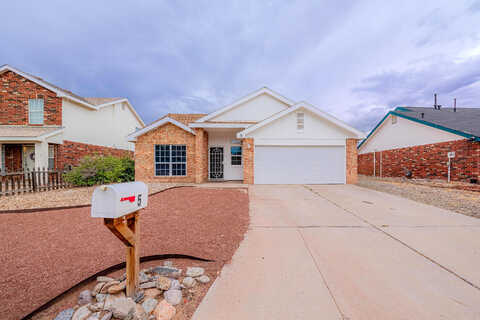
pixel 91 103
pixel 314 111
pixel 272 101
pixel 435 120
pixel 156 124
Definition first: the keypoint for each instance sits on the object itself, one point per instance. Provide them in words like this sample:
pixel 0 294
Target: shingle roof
pixel 466 120
pixel 92 101
pixel 185 118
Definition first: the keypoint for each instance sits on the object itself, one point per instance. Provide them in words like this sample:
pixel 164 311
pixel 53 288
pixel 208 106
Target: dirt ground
pixel 47 253
pixel 435 193
pixel 59 198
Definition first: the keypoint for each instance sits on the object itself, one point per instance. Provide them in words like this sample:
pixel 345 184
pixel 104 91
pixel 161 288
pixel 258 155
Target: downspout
pixel 374 163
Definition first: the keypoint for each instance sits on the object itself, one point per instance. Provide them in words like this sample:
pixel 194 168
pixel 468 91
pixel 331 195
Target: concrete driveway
pixel 345 252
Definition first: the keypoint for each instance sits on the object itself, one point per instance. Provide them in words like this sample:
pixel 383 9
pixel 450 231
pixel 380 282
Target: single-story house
pixel 417 142
pixel 263 138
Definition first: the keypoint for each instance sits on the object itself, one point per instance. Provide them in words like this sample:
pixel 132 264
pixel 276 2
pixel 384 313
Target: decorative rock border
pixel 99 276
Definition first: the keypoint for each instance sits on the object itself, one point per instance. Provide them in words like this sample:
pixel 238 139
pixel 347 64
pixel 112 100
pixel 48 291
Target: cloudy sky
pixel 354 59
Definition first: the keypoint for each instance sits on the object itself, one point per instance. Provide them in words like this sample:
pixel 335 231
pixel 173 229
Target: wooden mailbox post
pixel 119 205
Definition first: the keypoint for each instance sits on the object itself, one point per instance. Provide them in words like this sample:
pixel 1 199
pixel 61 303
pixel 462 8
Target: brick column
pixel 352 161
pixel 248 158
pixel 201 155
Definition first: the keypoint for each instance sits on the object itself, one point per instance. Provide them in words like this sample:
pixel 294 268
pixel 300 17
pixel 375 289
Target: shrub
pixel 101 170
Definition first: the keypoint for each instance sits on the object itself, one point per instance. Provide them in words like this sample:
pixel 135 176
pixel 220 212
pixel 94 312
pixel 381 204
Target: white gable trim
pixel 219 125
pixel 60 93
pixel 309 107
pixel 252 95
pixel 156 124
pixel 132 109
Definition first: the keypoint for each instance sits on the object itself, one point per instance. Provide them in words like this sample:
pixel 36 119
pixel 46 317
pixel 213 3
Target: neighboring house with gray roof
pixel 43 125
pixel 416 141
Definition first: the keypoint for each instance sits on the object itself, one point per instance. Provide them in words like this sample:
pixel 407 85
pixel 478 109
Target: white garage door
pixel 299 165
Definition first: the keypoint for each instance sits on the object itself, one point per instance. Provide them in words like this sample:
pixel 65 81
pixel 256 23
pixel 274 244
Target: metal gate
pixel 216 163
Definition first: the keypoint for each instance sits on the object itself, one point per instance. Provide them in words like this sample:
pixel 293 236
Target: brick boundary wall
pixel 15 91
pixel 70 153
pixel 351 161
pixel 426 161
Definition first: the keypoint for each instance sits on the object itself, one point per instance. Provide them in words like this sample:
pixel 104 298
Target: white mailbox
pixel 117 200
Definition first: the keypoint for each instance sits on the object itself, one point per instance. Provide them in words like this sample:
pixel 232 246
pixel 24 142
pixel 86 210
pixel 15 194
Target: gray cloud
pixel 355 59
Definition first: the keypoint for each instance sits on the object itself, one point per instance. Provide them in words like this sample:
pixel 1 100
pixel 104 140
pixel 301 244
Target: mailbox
pixel 117 200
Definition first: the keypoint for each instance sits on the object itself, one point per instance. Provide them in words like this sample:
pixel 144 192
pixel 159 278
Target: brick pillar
pixel 248 156
pixel 201 155
pixel 352 161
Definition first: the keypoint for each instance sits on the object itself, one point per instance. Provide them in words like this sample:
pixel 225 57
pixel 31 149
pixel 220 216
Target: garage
pixel 299 165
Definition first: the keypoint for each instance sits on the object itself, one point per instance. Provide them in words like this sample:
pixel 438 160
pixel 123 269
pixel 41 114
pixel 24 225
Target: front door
pixel 216 162
pixel 29 157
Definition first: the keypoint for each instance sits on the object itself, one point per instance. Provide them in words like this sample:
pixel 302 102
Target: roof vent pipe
pixel 454 104
pixel 435 105
pixel 422 115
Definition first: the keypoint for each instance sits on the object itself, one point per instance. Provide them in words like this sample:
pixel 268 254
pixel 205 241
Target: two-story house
pixel 42 125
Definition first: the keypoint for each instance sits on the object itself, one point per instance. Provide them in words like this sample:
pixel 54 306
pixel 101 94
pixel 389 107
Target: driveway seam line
pixel 321 275
pixel 396 239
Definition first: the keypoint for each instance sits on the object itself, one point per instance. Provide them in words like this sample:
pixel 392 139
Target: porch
pixel 24 148
pixel 225 156
pixel 18 157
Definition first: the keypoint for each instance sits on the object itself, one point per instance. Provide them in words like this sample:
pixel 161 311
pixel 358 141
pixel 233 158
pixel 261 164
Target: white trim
pixel 50 134
pixel 358 134
pixel 63 94
pixel 60 93
pixel 299 142
pixel 245 99
pixel 156 124
pixel 132 109
pixel 219 125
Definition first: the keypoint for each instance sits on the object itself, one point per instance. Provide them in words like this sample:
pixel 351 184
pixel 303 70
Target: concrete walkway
pixel 345 252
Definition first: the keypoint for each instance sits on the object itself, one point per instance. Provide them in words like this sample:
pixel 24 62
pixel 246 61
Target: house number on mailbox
pixel 139 201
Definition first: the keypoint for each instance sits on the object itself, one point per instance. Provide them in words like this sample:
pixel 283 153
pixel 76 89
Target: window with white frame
pixel 300 121
pixel 35 111
pixel 51 157
pixel 236 155
pixel 170 160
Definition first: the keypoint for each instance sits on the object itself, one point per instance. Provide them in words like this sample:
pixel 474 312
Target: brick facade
pixel 70 153
pixel 248 154
pixel 425 161
pixel 352 161
pixel 145 153
pixel 15 91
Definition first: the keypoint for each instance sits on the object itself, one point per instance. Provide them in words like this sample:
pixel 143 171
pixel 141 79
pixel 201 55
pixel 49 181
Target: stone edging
pixel 107 271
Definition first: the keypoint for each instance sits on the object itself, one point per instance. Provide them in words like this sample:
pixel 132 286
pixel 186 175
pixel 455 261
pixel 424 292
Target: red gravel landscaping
pixel 48 252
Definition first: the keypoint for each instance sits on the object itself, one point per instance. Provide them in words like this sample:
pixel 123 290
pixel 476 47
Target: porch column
pixel 351 161
pixel 41 155
pixel 2 161
pixel 248 160
pixel 201 155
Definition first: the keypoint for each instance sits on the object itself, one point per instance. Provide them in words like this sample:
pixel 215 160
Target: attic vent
pixel 300 121
pixel 394 119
